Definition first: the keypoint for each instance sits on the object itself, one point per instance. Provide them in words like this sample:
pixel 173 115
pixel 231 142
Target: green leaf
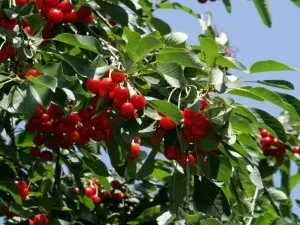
pixel 174 38
pixel 160 25
pixel 116 12
pixel 209 198
pixel 176 5
pixel 96 166
pixel 210 222
pixel 296 2
pixel 168 109
pixel 240 125
pixel 81 41
pixel 210 50
pixel 47 81
pixel 277 195
pixel 30 101
pixel 191 218
pixel 283 84
pixel 230 62
pixel 217 80
pixel 147 215
pixel 270 66
pixel 294 180
pixel 9 174
pixel 11 188
pixel 291 100
pixel 148 166
pixel 173 74
pixel 177 182
pixel 53 70
pixel 227 5
pixel 146 45
pixel 180 56
pixel 262 7
pixel 36 22
pixel 256 178
pixel 245 93
pixel 24 139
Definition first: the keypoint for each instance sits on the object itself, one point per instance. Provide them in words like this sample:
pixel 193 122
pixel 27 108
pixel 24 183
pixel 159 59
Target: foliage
pixel 109 117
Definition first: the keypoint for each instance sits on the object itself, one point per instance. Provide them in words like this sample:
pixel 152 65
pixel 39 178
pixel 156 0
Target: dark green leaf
pixel 227 5
pixel 210 222
pixel 177 182
pixel 262 7
pixel 148 166
pixel 160 25
pixel 45 80
pixel 173 74
pixel 36 22
pixel 148 215
pixel 96 166
pixel 283 84
pixel 116 12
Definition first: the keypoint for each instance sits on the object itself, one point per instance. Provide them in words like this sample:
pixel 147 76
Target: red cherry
pixel 134 151
pixel 85 113
pixel 119 196
pixel 45 117
pixel 50 3
pixel 138 101
pixel 39 139
pixel 204 103
pixel 73 118
pixel 202 1
pixel 47 29
pixel 35 152
pixel 2 56
pixel 90 191
pixel 73 136
pixel 71 17
pixel 296 149
pixel 47 156
pixel 65 6
pixel 107 85
pixel 88 20
pixel 183 159
pixel 121 93
pixel 32 72
pixel 264 133
pixel 55 16
pixel 105 195
pixel 93 85
pixel 115 184
pixel 84 12
pixel 112 22
pixel 75 190
pixel 266 141
pixel 40 219
pixel 171 152
pixel 9 51
pixel 166 123
pixel 118 77
pixel 9 24
pixel 97 182
pixel 20 2
pixel 127 110
pixel 24 192
pixel 96 199
pixel 28 30
pixel 137 140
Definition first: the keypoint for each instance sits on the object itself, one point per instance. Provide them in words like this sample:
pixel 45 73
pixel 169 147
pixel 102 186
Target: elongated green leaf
pixel 175 183
pixel 116 12
pixel 53 70
pixel 264 11
pixel 270 66
pixel 210 49
pixel 96 166
pixel 256 178
pixel 229 62
pixel 160 25
pixel 180 56
pixel 176 5
pixel 148 215
pixel 283 84
pixel 85 42
pixel 174 38
pixel 210 222
pixel 245 93
pixel 297 2
pixel 148 165
pixel 217 80
pixel 24 139
pixel 168 109
pixel 227 5
pixel 293 101
pixel 173 74
pixel 277 195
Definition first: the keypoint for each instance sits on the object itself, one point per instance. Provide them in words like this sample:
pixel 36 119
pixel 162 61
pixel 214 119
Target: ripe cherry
pixel 138 101
pixel 28 30
pixel 202 1
pixel 171 152
pixel 32 72
pixel 266 141
pixel 50 3
pixel 119 196
pixel 97 182
pixel 296 149
pixel 2 56
pixel 264 133
pixel 166 123
pixel 39 139
pixel 204 103
pixel 73 136
pixel 121 93
pixel 9 24
pixel 9 51
pixel 45 117
pixel 107 85
pixel 127 110
pixel 71 17
pixel 35 152
pixel 118 77
pixel 20 2
pixel 65 6
pixel 134 150
pixel 84 12
pixel 96 199
pixel 93 85
pixel 115 184
pixel 46 156
pixel 88 20
pixel 90 191
pixel 40 219
pixel 183 159
pixel 23 189
pixel 55 16
pixel 105 195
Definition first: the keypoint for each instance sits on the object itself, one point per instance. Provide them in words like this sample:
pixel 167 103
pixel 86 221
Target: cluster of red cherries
pixel 195 127
pixel 94 192
pixel 39 219
pixel 271 146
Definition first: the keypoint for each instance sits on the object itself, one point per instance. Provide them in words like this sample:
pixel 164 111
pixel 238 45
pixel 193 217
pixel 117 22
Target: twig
pixel 253 205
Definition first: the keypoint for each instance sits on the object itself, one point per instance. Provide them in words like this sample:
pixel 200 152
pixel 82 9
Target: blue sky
pixel 252 40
